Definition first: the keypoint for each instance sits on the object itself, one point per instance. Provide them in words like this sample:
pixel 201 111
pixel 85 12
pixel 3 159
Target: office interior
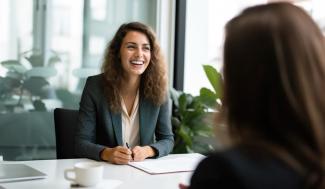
pixel 49 48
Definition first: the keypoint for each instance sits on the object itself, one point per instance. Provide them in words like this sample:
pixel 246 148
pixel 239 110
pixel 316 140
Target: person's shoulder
pixel 224 157
pixel 237 167
pixel 258 167
pixel 221 160
pixel 214 171
pixel 96 78
pixel 95 83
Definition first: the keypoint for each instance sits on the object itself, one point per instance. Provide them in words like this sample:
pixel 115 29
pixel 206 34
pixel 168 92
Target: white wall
pixel 204 37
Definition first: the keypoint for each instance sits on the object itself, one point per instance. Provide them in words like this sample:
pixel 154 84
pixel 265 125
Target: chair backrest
pixel 65 121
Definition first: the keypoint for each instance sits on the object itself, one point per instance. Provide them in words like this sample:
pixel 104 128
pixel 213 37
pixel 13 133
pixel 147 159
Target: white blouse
pixel 130 124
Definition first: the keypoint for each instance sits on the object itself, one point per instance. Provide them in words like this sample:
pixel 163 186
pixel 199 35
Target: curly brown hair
pixel 153 84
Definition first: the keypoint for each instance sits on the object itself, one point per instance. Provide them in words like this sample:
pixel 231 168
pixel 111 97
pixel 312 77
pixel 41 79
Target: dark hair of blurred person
pixel 274 105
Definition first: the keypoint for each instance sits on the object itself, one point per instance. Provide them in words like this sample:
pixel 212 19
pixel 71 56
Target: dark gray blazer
pixel 98 127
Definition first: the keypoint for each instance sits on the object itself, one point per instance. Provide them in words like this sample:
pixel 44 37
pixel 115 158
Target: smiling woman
pixel 127 103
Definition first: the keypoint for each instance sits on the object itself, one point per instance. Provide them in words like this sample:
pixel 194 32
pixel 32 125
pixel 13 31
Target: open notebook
pixel 16 172
pixel 172 163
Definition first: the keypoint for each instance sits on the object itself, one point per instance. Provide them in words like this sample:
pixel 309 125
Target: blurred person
pixel 273 106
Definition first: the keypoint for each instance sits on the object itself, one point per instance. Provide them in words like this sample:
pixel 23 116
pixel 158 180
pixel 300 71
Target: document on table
pixel 169 164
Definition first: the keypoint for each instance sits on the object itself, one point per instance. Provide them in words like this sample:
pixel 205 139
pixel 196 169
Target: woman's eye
pixel 147 48
pixel 130 47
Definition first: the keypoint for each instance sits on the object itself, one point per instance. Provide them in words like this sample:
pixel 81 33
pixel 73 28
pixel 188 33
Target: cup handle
pixel 66 174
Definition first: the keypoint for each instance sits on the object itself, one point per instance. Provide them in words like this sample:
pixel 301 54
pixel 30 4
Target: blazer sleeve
pixel 164 135
pixel 85 138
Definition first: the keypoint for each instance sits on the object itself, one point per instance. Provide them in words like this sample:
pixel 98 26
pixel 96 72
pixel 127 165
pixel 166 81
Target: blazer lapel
pixel 144 111
pixel 117 125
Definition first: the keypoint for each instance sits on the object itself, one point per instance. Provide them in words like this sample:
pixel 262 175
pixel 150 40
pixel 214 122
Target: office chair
pixel 65 121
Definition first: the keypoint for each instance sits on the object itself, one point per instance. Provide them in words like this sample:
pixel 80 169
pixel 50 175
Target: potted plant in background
pixel 191 119
pixel 23 84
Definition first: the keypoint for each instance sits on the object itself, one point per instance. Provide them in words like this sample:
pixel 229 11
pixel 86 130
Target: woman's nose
pixel 139 53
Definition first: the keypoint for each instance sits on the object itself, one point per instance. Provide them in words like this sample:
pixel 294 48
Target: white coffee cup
pixel 85 173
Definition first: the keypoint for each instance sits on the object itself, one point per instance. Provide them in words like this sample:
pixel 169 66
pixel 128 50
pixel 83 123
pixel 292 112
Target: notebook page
pixel 169 164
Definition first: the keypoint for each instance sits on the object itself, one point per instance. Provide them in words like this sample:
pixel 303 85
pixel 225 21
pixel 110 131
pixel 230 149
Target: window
pixel 204 45
pixel 48 48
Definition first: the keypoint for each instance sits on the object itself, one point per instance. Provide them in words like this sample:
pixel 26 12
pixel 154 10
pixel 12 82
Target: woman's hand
pixel 140 153
pixel 117 155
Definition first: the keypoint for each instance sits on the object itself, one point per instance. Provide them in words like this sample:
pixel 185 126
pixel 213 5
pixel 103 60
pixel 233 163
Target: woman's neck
pixel 130 86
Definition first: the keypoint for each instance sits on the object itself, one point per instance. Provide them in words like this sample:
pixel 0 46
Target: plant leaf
pixel 182 103
pixel 176 122
pixel 174 95
pixel 184 133
pixel 189 149
pixel 215 79
pixel 208 97
pixel 13 65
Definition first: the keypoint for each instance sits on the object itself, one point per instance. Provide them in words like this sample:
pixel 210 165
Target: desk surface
pixel 130 177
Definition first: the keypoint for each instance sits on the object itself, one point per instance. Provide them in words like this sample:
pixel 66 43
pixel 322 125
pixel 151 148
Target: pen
pixel 127 145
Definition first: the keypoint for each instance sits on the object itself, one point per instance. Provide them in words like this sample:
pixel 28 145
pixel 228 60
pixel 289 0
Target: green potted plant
pixel 21 84
pixel 192 115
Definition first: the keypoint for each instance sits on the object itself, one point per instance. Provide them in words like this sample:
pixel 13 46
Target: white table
pixel 131 178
